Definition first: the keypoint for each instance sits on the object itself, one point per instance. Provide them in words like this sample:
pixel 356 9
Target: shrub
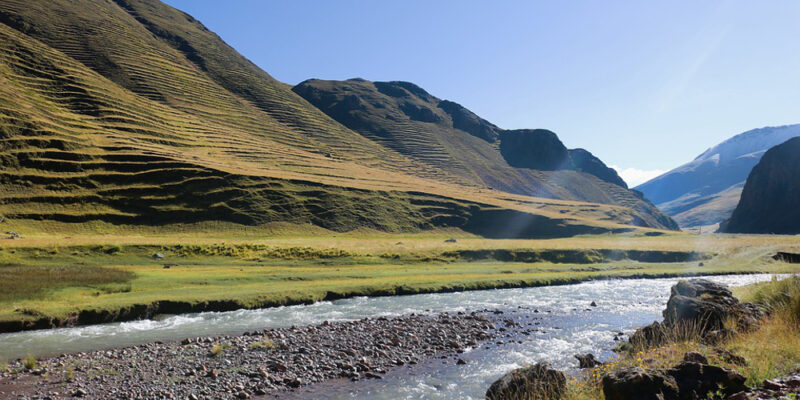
pixel 216 350
pixel 264 344
pixel 29 362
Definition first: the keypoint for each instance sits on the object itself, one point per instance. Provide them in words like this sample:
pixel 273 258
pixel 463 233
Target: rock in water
pixel 587 360
pixel 539 382
pixel 636 383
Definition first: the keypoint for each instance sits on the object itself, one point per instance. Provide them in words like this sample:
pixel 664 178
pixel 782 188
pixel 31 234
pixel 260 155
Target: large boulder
pixel 707 308
pixel 636 383
pixel 540 382
pixel 696 380
pixel 687 381
pixel 710 305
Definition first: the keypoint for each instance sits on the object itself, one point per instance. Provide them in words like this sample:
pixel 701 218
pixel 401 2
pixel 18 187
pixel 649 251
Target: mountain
pixel 706 190
pixel 770 200
pixel 472 151
pixel 130 112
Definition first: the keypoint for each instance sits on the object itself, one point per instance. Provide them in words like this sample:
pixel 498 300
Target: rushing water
pixel 569 326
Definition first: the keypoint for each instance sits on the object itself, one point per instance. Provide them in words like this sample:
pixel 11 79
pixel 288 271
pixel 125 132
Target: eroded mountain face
pixel 770 201
pixel 706 190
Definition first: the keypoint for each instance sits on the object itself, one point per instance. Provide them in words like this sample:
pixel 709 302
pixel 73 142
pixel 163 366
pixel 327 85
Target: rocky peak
pixel 770 201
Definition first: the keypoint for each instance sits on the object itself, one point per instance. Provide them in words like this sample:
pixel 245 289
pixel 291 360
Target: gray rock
pixel 705 305
pixel 636 383
pixel 695 357
pixel 587 360
pixel 696 380
pixel 539 381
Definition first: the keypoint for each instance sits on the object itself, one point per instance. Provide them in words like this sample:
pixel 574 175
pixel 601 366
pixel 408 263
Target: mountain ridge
pixel 770 200
pixel 705 190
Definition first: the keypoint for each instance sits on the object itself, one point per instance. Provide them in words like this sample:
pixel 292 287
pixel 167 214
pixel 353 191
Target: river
pixel 568 325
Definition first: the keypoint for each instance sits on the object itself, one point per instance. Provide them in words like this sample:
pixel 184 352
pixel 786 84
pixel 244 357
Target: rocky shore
pixel 251 365
pixel 712 314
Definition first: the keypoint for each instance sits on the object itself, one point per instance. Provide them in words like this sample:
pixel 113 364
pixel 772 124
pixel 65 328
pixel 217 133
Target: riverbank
pixel 551 323
pixel 250 365
pixel 51 283
pixel 763 356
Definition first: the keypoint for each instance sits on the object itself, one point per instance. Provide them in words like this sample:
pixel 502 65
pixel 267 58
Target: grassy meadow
pixel 56 276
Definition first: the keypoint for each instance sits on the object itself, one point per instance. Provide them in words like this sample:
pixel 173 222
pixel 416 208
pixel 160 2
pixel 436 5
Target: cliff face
pixel 706 190
pixel 770 201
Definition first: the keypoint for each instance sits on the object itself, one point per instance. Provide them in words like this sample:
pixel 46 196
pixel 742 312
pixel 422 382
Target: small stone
pixel 460 361
pixel 587 361
pixel 772 385
pixel 693 356
pixel 740 396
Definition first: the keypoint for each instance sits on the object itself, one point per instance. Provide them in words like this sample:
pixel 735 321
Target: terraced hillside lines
pixel 131 112
pixel 110 41
pixel 450 138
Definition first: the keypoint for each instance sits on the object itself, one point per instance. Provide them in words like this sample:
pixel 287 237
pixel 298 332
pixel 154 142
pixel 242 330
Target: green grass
pixel 107 274
pixel 29 362
pixel 779 296
pixel 34 282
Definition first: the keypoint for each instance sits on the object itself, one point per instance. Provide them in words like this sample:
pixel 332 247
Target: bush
pixel 216 350
pixel 29 362
pixel 265 344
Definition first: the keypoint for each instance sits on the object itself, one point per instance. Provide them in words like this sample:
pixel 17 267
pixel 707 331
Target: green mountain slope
pixel 131 112
pixel 446 136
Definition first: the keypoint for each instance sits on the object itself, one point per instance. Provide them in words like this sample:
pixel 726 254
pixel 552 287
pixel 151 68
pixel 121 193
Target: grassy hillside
pixel 133 113
pixel 448 137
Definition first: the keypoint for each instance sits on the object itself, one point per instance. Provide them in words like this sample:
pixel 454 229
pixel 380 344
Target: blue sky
pixel 645 86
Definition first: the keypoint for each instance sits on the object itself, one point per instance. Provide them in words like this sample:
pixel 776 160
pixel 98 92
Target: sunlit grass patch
pixel 18 282
pixel 264 344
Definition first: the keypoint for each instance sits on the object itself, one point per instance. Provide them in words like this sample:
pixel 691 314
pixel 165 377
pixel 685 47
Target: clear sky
pixel 644 85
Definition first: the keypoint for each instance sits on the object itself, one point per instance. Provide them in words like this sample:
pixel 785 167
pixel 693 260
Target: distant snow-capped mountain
pixel 706 190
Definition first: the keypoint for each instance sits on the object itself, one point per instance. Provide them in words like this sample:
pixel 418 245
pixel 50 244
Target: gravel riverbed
pixel 256 364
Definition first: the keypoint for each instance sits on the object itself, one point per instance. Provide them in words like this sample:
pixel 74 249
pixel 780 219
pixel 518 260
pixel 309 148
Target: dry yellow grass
pixel 770 351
